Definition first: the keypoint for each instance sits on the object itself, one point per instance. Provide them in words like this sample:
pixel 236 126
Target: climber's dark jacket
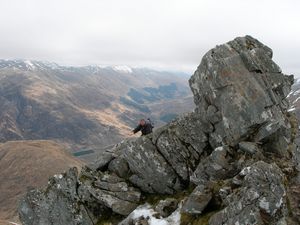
pixel 146 129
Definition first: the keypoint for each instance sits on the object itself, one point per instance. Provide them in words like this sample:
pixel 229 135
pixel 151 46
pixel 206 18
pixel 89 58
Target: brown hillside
pixel 27 164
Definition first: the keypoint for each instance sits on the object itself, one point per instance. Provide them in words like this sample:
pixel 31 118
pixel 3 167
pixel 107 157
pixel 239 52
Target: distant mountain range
pixel 86 107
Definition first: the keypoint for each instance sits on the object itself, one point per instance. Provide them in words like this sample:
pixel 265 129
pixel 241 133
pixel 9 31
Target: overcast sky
pixel 162 34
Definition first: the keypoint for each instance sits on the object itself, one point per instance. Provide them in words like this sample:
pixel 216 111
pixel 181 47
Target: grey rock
pixel 248 147
pixel 110 191
pixel 278 142
pixel 262 193
pixel 241 81
pixel 267 130
pixel 119 166
pixel 214 167
pixel 224 192
pixel 150 171
pixel 213 115
pixel 186 137
pixel 103 159
pixel 58 204
pixel 153 162
pixel 114 201
pixel 197 201
pixel 166 207
pixel 121 186
pixel 110 178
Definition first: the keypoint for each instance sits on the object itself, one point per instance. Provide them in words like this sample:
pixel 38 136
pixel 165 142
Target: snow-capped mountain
pixel 31 65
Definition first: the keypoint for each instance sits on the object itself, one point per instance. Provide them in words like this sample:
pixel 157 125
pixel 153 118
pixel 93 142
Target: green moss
pixel 288 204
pixel 213 207
pixel 110 219
pixel 153 199
pixel 187 219
pixel 104 223
pixel 215 186
pixel 294 125
pixel 83 178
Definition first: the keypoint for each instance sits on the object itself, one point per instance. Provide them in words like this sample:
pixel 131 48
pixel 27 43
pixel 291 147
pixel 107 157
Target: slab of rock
pixel 119 166
pixel 197 201
pixel 214 167
pixel 150 171
pixel 119 203
pixel 182 143
pixel 260 200
pixel 248 147
pixel 102 161
pixel 110 191
pixel 166 207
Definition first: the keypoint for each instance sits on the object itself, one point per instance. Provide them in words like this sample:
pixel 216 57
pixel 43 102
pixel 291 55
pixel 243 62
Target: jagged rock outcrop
pixel 242 83
pixel 229 162
pixel 58 204
pixel 259 200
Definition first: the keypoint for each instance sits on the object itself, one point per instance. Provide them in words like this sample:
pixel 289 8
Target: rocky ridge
pixel 232 161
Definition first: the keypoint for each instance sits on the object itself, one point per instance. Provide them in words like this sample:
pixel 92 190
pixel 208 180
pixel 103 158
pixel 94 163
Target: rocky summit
pixel 233 161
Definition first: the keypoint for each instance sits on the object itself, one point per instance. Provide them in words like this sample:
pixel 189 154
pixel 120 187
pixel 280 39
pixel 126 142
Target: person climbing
pixel 145 126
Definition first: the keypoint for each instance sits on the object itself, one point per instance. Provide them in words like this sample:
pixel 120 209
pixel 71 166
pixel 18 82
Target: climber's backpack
pixel 150 122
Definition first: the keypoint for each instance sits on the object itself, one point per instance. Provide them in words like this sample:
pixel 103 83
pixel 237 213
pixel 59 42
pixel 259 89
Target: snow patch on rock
pixel 124 69
pixel 147 212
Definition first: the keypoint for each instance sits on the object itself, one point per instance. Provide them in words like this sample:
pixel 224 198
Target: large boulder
pixel 240 121
pixel 260 200
pixel 197 201
pixel 58 204
pixel 163 161
pixel 242 83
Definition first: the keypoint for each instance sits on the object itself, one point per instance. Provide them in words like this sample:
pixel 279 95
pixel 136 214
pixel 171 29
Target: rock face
pixel 259 200
pixel 236 153
pixel 57 205
pixel 241 82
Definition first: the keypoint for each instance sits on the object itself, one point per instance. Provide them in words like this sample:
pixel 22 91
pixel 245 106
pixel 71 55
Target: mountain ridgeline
pixel 233 160
pixel 85 107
